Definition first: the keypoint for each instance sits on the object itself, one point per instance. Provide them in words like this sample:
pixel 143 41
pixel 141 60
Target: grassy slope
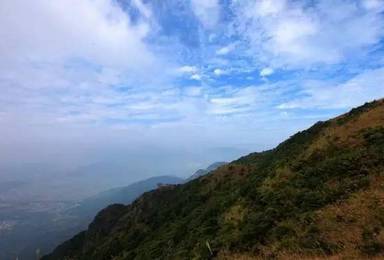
pixel 320 193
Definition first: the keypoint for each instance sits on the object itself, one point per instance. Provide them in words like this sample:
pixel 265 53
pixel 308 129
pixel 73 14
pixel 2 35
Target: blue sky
pixel 192 77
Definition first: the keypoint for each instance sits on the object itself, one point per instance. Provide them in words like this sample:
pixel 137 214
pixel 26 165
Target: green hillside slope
pixel 87 208
pixel 318 194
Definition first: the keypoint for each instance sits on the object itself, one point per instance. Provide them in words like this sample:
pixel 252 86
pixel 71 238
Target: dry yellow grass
pixel 344 223
pixel 289 256
pixel 347 133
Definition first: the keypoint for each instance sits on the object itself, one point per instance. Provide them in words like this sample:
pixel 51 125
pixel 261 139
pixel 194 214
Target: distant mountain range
pixel 202 172
pixel 318 194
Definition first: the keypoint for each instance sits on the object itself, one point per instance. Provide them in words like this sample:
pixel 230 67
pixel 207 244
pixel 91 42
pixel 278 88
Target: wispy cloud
pixel 207 11
pixel 327 95
pixel 95 31
pixel 188 69
pixel 301 34
pixel 226 49
pixel 204 70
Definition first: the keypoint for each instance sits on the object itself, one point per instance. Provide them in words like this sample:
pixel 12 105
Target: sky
pixel 154 87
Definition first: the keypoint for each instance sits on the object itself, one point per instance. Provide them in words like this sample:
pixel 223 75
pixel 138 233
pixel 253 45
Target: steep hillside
pixel 318 194
pixel 88 208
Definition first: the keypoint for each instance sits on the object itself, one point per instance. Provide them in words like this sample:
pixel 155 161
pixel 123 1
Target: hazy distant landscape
pixel 41 223
pixel 27 226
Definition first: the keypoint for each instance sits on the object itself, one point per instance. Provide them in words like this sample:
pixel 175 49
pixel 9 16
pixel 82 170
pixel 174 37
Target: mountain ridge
pixel 284 203
pixel 120 195
pixel 202 172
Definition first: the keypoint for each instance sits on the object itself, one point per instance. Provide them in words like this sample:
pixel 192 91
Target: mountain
pixel 319 194
pixel 202 172
pixel 87 208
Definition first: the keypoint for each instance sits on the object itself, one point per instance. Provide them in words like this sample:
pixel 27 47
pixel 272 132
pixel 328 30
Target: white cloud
pixel 188 69
pixel 144 10
pixel 62 59
pixel 220 72
pixel 225 50
pixel 375 5
pixel 207 11
pixel 96 31
pixel 269 7
pixel 364 87
pixel 265 72
pixel 292 33
pixel 193 91
pixel 234 101
pixel 196 77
